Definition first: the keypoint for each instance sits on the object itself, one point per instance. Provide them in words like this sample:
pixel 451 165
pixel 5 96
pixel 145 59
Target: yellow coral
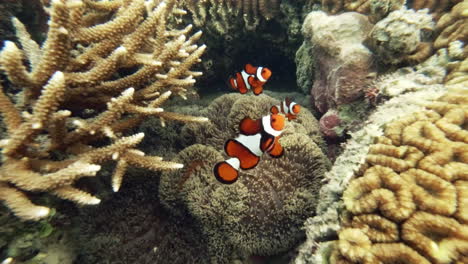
pixel 453 26
pixel 410 204
pixel 77 68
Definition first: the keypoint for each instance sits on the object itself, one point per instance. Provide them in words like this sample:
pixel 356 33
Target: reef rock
pixel 343 65
pixel 400 37
pixel 263 211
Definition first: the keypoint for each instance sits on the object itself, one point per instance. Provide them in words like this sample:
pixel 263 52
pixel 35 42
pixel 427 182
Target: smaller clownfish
pixel 256 137
pixel 250 78
pixel 287 107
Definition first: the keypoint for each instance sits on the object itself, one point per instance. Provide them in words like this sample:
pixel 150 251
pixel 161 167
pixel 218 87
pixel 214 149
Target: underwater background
pixel 123 120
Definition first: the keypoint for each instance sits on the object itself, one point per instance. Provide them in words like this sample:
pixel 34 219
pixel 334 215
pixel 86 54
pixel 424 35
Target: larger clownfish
pixel 287 107
pixel 256 137
pixel 250 78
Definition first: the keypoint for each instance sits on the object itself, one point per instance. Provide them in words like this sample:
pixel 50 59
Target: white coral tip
pixel 94 200
pixel 115 187
pixel 41 212
pixel 120 50
pixel 9 46
pixel 36 125
pixel 128 92
pixel 58 76
pixel 178 166
pixel 140 135
pixel 63 31
pixel 8 260
pixel 94 167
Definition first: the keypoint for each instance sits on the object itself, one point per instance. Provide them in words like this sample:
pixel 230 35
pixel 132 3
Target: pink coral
pixel 329 122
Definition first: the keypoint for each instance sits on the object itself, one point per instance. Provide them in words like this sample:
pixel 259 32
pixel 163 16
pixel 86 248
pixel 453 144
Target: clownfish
pixel 287 107
pixel 250 78
pixel 256 137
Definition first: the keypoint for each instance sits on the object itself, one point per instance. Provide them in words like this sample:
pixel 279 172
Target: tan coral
pixel 377 9
pixel 453 26
pixel 433 181
pixel 221 15
pixel 76 68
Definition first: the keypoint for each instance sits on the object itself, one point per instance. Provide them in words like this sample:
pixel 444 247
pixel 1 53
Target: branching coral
pixel 223 13
pixel 75 93
pixel 416 179
pixel 263 211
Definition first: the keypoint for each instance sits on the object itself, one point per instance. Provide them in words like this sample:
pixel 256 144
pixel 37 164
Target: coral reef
pixel 234 40
pixel 343 64
pixel 304 67
pixel 378 9
pixel 406 204
pixel 222 13
pixel 326 223
pixel 398 37
pixel 103 67
pixel 117 231
pixel 262 212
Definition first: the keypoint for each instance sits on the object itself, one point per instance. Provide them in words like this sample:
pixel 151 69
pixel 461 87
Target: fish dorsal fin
pixel 251 81
pixel 250 69
pixel 277 150
pixel 274 109
pixel 250 126
pixel 258 89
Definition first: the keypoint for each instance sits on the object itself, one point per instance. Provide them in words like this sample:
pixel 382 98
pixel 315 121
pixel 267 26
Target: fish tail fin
pixel 258 90
pixel 227 171
pixel 232 82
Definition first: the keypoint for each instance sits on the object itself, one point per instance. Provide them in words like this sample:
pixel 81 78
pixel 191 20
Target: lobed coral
pixel 324 227
pixel 104 66
pixel 262 212
pixel 409 203
pixel 452 26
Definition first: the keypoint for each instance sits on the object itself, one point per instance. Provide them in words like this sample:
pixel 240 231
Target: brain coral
pixel 262 213
pixel 410 204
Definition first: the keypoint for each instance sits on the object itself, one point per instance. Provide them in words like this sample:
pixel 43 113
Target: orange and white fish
pixel 255 138
pixel 250 78
pixel 287 107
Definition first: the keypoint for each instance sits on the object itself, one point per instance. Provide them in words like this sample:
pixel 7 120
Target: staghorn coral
pixel 262 212
pixel 415 177
pixel 222 14
pixel 75 93
pixel 397 38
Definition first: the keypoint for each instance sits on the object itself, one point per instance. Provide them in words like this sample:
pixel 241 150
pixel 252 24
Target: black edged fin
pixel 219 178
